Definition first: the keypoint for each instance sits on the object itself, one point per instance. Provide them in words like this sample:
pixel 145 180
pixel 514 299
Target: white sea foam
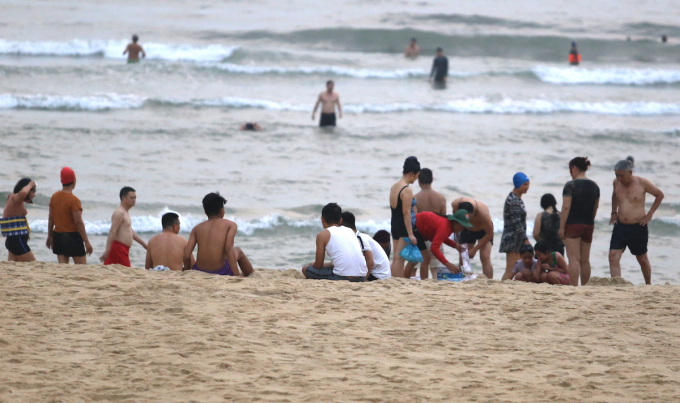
pixel 58 102
pixel 620 76
pixel 324 70
pixel 114 50
pixel 670 220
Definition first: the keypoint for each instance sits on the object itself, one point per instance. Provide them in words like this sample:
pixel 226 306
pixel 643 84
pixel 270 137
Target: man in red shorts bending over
pixel 121 234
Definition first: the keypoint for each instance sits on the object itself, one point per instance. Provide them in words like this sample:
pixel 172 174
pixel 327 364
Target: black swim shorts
pixel 634 236
pixel 471 237
pixel 422 245
pixel 69 244
pixel 17 244
pixel 327 119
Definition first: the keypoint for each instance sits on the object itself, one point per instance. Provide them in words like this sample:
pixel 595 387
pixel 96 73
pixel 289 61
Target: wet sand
pixel 94 333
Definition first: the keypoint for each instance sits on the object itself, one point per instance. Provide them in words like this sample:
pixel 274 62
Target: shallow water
pixel 167 126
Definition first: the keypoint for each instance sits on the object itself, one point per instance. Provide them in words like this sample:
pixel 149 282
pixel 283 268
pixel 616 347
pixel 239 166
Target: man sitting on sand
pixel 341 244
pixel 121 233
pixel 630 220
pixel 481 232
pixel 133 50
pixel 429 199
pixel 215 240
pixel 377 262
pixel 167 248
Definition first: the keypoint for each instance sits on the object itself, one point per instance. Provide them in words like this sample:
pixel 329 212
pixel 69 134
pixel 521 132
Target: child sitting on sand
pixel 554 264
pixel 527 268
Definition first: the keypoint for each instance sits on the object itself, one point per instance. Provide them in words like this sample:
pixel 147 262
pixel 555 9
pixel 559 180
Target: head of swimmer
pixel 170 222
pixel 135 38
pixel 21 185
pixel 440 52
pixel 413 42
pixel 330 85
pixel 128 197
pixel 578 165
pixel 542 250
pixel 331 215
pixel 526 253
pixel 624 171
pixel 213 205
pixel 411 169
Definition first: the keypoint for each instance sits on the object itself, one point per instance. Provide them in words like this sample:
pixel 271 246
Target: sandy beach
pixel 95 333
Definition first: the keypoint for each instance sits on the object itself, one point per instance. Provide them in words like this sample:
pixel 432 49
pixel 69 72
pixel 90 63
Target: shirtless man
pixel 133 50
pixel 167 248
pixel 630 219
pixel 429 199
pixel 215 240
pixel 14 226
pixel 328 99
pixel 481 231
pixel 412 50
pixel 121 233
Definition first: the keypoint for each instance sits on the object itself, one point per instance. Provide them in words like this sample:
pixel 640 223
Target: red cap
pixel 67 176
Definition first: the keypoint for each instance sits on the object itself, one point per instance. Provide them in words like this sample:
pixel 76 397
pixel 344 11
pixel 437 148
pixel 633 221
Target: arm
pixel 116 220
pixel 321 242
pixel 368 255
pixel 188 260
pixel 229 249
pixel 615 205
pixel 657 193
pixel 149 262
pixel 566 206
pixel 138 239
pixel 442 236
pixel 597 205
pixel 488 236
pixel 127 49
pixel 537 226
pixel 337 102
pixel 446 69
pixel 406 197
pixel 143 52
pixel 50 230
pixel 23 193
pixel 562 263
pixel 434 69
pixel 80 225
pixel 316 106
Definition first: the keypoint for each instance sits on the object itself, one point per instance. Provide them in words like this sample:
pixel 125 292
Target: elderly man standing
pixel 630 219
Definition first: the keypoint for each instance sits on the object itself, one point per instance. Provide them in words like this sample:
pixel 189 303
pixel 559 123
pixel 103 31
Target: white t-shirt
pixel 345 253
pixel 381 263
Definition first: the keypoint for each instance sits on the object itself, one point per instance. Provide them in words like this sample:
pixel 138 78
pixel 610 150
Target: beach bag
pixel 410 253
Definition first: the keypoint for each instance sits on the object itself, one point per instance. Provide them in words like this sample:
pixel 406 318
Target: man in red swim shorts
pixel 121 233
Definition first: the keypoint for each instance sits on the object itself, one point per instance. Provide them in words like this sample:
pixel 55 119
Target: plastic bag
pixel 411 253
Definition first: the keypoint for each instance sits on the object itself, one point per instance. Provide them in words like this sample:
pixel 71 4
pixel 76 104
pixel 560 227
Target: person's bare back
pixel 211 237
pixel 480 218
pixel 166 249
pixel 133 50
pixel 429 199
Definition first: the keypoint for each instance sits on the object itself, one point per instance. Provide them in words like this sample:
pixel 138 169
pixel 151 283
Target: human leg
pixel 485 258
pixel 425 265
pixel 615 262
pixel 553 277
pixel 510 259
pixel 410 269
pixel 584 262
pixel 62 259
pixel 398 261
pixel 573 246
pixel 79 260
pixel 646 268
pixel 243 262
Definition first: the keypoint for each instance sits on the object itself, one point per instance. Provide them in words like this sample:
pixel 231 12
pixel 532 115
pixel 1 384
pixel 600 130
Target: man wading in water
pixel 328 99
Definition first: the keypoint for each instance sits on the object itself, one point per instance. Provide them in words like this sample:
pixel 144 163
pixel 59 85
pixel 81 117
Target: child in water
pixel 526 269
pixel 554 264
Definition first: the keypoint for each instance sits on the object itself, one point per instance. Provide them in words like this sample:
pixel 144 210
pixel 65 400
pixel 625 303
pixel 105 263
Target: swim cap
pixel 520 179
pixel 67 176
pixel 573 43
pixel 462 217
pixel 411 165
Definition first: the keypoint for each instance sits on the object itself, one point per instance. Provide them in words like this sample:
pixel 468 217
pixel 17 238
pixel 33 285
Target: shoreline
pixel 126 334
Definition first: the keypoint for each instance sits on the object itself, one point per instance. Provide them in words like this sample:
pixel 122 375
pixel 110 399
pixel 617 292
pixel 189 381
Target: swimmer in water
pixel 664 39
pixel 574 56
pixel 412 50
pixel 250 127
pixel 328 100
pixel 440 68
pixel 133 50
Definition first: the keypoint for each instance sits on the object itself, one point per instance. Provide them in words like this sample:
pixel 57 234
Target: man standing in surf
pixel 629 218
pixel 328 100
pixel 133 50
pixel 121 233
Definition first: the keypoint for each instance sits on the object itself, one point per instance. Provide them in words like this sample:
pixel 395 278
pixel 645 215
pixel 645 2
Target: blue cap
pixel 573 43
pixel 520 179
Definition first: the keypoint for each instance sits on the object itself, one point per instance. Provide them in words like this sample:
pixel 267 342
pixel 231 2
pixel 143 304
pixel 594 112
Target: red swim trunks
pixel 119 254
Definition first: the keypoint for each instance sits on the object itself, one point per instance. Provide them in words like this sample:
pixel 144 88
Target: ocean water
pixel 168 126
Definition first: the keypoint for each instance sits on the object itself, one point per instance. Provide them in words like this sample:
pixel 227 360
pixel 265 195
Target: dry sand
pixel 94 333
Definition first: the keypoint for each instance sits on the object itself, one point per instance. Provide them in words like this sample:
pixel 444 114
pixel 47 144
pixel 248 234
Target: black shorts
pixel 17 244
pixel 471 237
pixel 69 244
pixel 420 238
pixel 327 119
pixel 634 236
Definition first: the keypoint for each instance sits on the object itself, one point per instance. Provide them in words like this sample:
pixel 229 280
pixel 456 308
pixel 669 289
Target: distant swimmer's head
pixel 411 168
pixel 128 196
pixel 413 41
pixel 170 222
pixel 213 205
pixel 329 85
pixel 624 170
pixel 548 200
pixel 467 206
pixel 331 214
pixel 135 38
pixel 440 51
pixel 425 177
pixel 348 220
pixel 23 182
pixel 68 177
pixel 249 127
pixel 578 164
pixel 573 44
pixel 521 181
pixel 664 38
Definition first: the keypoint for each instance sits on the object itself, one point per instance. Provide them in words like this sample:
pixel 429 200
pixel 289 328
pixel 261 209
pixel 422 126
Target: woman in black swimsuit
pixel 403 209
